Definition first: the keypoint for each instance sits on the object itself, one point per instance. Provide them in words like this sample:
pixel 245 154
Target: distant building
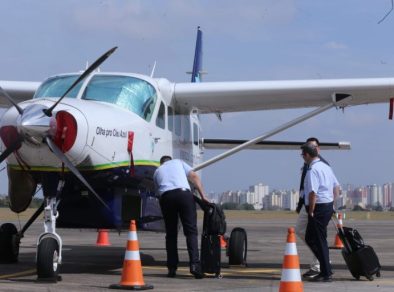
pixel 290 200
pixel 256 195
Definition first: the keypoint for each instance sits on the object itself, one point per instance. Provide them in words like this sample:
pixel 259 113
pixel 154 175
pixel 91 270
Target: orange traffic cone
pixel 223 242
pixel 291 275
pixel 102 238
pixel 338 243
pixel 132 277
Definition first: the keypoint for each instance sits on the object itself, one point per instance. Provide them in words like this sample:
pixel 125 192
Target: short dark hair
pixel 310 149
pixel 165 158
pixel 313 139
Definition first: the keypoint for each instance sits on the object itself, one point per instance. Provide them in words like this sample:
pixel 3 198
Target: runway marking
pixel 225 271
pixel 20 274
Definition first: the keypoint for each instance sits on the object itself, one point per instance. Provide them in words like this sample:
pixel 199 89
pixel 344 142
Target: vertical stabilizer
pixel 197 64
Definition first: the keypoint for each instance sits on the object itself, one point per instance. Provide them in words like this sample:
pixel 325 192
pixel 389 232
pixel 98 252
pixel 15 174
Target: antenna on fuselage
pixel 153 70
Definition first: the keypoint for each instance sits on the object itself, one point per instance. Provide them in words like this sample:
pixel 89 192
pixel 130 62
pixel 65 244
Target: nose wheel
pixel 49 247
pixel 48 260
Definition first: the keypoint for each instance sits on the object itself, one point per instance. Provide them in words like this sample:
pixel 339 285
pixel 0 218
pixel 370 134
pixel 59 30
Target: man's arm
pixel 196 181
pixel 336 191
pixel 312 203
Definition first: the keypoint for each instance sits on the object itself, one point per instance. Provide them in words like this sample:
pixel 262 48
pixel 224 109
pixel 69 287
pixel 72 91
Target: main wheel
pixel 48 259
pixel 9 243
pixel 237 248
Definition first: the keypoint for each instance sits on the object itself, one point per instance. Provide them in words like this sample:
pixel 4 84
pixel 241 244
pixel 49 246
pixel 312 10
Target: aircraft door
pixel 196 143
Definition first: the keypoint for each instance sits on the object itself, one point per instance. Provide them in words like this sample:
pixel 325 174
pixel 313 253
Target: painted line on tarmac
pixel 224 270
pixel 20 274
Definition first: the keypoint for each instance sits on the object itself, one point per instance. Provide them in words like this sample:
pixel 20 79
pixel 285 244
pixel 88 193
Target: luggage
pixel 360 259
pixel 214 225
pixel 362 262
pixel 211 254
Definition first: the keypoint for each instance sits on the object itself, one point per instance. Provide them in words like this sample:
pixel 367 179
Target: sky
pixel 243 40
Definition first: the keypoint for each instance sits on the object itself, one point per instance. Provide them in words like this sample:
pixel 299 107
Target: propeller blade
pixel 72 168
pixel 11 100
pixel 91 68
pixel 14 146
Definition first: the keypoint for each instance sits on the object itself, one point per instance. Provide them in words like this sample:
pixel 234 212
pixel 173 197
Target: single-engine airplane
pixel 92 141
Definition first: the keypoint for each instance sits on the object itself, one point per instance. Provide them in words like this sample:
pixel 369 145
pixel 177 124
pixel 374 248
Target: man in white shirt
pixel 302 219
pixel 177 201
pixel 320 186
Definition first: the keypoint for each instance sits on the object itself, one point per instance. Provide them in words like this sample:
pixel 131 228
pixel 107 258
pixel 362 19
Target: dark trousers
pixel 316 235
pixel 174 204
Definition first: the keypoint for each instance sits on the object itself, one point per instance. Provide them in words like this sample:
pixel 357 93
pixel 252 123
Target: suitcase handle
pixel 341 233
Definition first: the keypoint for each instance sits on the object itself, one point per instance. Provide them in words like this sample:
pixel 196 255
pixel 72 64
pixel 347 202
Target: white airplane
pixel 92 141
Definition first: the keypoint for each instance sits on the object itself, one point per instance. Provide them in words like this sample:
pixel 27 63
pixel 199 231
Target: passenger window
pixel 160 120
pixel 170 120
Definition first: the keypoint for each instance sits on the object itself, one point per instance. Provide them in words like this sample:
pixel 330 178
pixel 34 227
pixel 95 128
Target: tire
pixel 378 274
pixel 237 248
pixel 9 243
pixel 47 259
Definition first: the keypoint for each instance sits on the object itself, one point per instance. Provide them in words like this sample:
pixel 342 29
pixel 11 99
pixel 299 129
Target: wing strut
pixel 338 101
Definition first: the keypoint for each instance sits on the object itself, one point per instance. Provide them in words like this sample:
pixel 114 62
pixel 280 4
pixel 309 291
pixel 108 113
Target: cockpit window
pixel 130 93
pixel 57 86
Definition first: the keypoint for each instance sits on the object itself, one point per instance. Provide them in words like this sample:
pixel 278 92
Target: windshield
pixel 130 93
pixel 57 86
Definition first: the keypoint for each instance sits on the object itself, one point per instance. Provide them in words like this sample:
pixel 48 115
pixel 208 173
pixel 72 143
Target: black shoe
pixel 321 278
pixel 195 270
pixel 310 274
pixel 171 273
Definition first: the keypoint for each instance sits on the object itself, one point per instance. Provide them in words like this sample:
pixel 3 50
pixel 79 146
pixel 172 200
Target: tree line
pixel 35 202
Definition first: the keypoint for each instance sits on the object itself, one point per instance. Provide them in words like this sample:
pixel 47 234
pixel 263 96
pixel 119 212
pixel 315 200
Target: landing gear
pixel 49 250
pixel 48 259
pixel 9 243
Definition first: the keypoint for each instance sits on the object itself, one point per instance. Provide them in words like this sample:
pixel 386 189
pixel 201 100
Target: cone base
pixel 102 244
pixel 291 287
pixel 130 287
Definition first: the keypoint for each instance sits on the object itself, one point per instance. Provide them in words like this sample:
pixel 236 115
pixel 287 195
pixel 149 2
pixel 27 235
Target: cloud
pixel 173 19
pixel 335 45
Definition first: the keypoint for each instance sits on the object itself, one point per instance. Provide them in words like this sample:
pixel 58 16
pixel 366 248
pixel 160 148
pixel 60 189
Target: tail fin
pixel 197 64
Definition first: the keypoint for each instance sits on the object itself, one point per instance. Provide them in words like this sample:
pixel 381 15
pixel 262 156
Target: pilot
pixel 302 220
pixel 176 200
pixel 320 185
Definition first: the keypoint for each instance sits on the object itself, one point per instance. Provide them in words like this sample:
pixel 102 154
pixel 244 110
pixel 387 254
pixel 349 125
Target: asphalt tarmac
pixel 87 267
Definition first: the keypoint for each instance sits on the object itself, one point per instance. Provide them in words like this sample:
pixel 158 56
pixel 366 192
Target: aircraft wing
pixel 218 97
pixel 269 145
pixel 18 90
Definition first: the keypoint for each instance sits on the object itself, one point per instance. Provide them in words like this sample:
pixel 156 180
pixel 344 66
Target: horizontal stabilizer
pixel 269 145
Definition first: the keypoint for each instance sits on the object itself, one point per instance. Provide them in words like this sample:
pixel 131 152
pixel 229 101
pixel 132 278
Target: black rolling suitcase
pixel 214 225
pixel 360 259
pixel 210 254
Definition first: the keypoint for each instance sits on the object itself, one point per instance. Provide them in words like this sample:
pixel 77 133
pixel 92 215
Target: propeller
pixel 11 100
pixel 72 168
pixel 89 70
pixel 10 149
pixel 34 125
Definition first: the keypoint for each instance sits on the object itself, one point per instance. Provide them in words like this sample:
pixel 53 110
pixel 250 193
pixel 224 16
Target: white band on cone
pixel 132 255
pixel 291 275
pixel 132 235
pixel 291 248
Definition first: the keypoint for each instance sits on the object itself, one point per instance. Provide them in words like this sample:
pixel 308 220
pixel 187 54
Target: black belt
pixel 176 190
